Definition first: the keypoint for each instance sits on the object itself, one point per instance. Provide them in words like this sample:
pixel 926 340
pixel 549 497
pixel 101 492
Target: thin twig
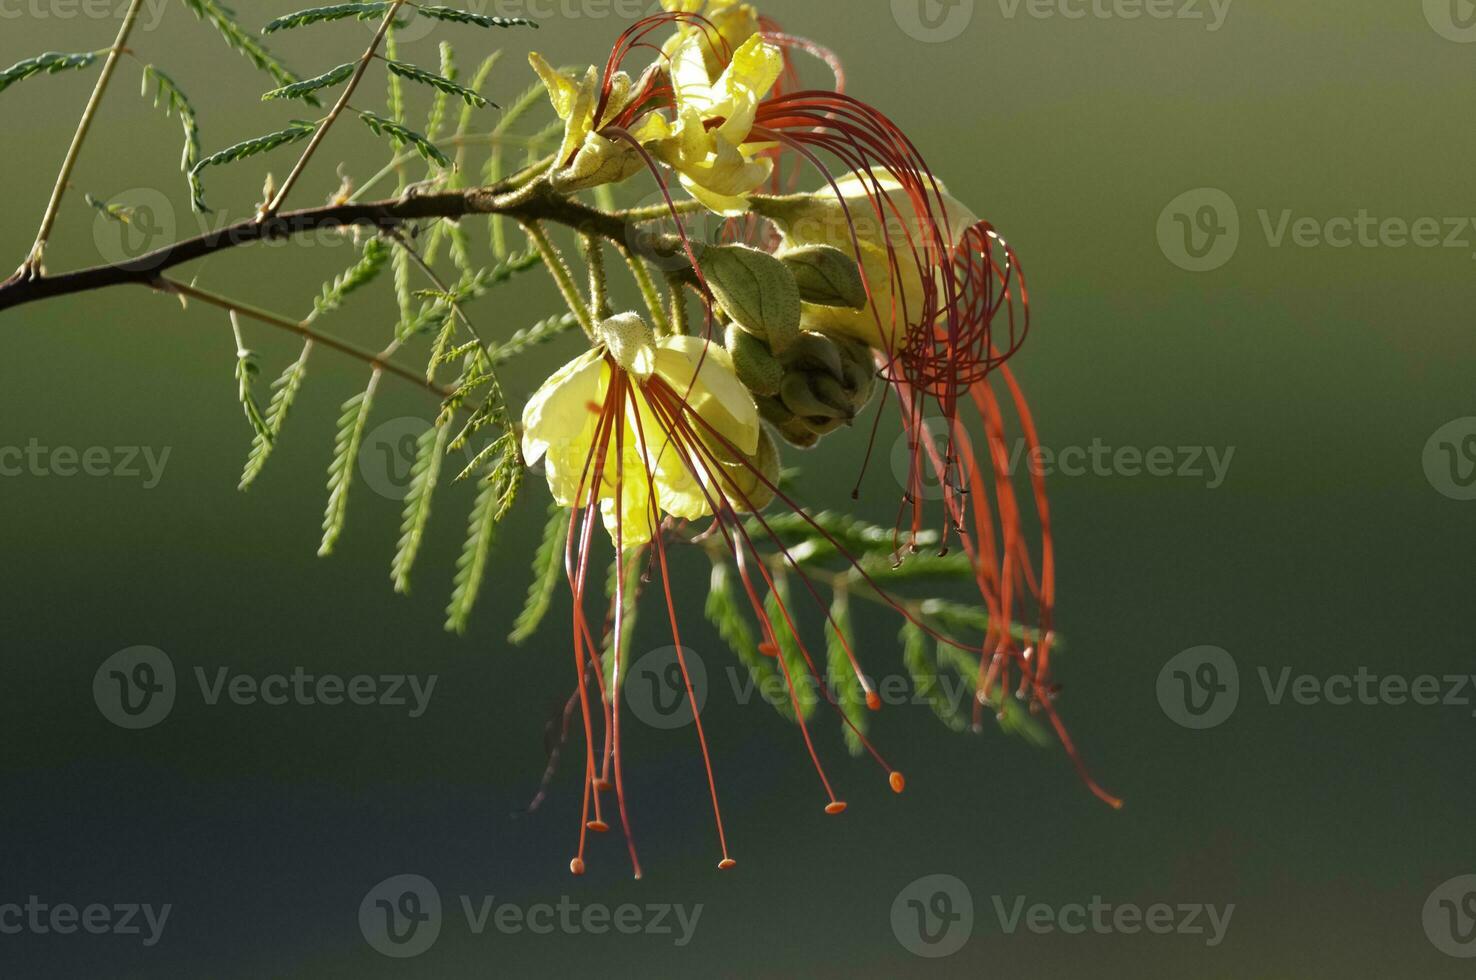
pixel 343 100
pixel 31 268
pixel 378 362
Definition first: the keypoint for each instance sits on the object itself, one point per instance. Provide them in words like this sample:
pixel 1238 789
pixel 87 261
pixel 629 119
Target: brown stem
pixel 385 215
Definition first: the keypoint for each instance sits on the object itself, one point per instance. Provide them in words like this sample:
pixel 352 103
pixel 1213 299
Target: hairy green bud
pixel 756 290
pixel 757 367
pixel 826 276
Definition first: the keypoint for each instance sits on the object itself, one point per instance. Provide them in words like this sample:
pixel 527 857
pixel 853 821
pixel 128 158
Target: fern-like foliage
pixel 547 566
pixel 304 88
pixel 401 135
pixel 800 678
pixel 841 675
pixel 284 393
pixel 498 492
pixel 171 98
pixel 724 613
pixel 918 658
pixel 322 15
pixel 50 63
pixel 346 446
pixel 224 21
pixel 296 132
pixel 430 450
pixel 247 369
pixel 455 16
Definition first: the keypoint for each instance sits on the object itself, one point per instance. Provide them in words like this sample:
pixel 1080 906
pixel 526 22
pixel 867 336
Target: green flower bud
pixel 826 276
pixel 742 485
pixel 756 290
pixel 799 435
pixel 758 369
pixel 813 352
pixel 774 411
pixel 798 393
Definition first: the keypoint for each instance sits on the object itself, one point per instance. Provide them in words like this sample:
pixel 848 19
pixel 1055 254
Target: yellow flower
pixel 562 420
pixel 716 165
pixel 820 219
pixel 734 22
pixel 586 158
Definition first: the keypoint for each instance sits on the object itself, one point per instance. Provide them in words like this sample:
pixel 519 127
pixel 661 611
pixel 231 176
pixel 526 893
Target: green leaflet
pixel 171 98
pixel 725 615
pixel 284 393
pixel 424 475
pixel 302 89
pixel 400 135
pixel 800 678
pixel 455 16
pixel 842 676
pixel 321 15
pixel 284 390
pixel 923 667
pixel 346 445
pixel 50 63
pixel 224 21
pixel 298 131
pixel 547 564
pixel 498 492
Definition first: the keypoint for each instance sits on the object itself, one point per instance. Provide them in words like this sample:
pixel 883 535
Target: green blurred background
pixel 1325 549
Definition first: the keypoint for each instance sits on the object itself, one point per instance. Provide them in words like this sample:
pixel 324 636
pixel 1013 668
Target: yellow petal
pixel 559 410
pixel 716 393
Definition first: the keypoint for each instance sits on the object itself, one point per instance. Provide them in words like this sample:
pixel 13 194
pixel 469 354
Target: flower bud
pixel 826 276
pixel 757 367
pixel 800 393
pixel 756 290
pixel 813 352
pixel 742 484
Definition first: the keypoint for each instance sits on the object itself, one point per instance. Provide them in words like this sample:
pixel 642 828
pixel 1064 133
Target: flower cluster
pixel 878 278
